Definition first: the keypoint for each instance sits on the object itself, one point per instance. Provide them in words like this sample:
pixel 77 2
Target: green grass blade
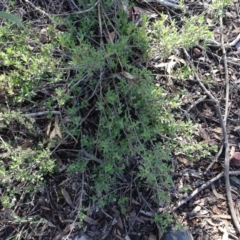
pixel 11 17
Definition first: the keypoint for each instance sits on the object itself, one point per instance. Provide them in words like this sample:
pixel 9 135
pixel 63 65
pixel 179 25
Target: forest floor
pixel 199 200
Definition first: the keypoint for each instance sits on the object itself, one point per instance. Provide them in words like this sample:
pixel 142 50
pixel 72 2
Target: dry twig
pixel 215 43
pixel 169 3
pixel 225 140
pixel 36 114
pixel 62 14
pixel 79 12
pixel 196 191
pixel 226 143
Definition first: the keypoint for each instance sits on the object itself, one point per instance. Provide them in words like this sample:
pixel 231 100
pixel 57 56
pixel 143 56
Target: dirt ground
pixel 204 207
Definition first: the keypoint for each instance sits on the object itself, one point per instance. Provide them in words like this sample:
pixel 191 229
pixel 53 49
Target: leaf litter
pixel 205 214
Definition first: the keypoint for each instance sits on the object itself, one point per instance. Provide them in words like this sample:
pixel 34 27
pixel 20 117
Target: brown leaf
pixel 45 208
pixel 90 220
pixel 53 133
pixel 67 197
pixel 111 37
pixel 135 202
pixel 57 129
pixel 235 159
pixel 170 66
pixel 27 144
pixel 197 51
pixel 127 75
pixel 48 129
pixel 44 35
pixel 203 133
pixel 120 223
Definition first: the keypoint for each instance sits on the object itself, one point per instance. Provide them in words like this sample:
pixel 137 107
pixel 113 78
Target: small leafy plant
pixel 112 113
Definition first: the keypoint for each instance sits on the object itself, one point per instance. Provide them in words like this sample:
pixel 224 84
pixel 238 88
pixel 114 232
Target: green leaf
pixel 11 17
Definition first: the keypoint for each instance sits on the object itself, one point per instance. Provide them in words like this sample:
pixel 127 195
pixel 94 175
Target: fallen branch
pixel 170 3
pixel 226 143
pixel 79 12
pixel 36 114
pixel 205 185
pixel 215 43
pixel 225 140
pixel 61 14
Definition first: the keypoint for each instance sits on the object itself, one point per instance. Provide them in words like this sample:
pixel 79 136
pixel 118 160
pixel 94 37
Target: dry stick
pixel 62 14
pixel 38 9
pixel 36 114
pixel 217 44
pixel 196 103
pixel 205 185
pixel 165 3
pixel 225 144
pixel 215 159
pixel 226 72
pixel 79 12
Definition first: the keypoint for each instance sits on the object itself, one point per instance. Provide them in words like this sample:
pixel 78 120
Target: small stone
pixel 177 235
pixel 197 51
pixel 44 36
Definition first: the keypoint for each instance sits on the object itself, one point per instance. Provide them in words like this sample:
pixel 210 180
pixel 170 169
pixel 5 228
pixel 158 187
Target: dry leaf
pixel 225 234
pixel 235 159
pixel 127 75
pixel 170 66
pixel 160 65
pixel 127 237
pixel 120 223
pixel 135 202
pixel 66 120
pixel 27 144
pixel 57 129
pixel 52 134
pixel 84 237
pixel 197 51
pixel 177 59
pixel 152 237
pixel 44 35
pixel 183 160
pixel 90 220
pixel 45 208
pixel 48 129
pixel 67 197
pixel 50 224
pixel 217 130
pixel 111 37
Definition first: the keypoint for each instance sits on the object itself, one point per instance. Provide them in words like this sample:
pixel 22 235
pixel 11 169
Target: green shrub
pixel 112 109
pixel 19 166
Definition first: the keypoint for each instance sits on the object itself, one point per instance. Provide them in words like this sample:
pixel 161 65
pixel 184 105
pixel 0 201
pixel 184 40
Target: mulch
pixel 206 214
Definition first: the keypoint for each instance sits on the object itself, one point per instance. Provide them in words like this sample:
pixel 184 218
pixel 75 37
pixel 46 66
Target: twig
pixel 41 113
pixel 91 157
pixel 79 12
pixel 215 159
pixel 84 155
pixel 226 72
pixel 39 10
pixel 61 14
pixel 217 44
pixel 226 143
pixel 196 103
pixel 205 185
pixel 165 3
